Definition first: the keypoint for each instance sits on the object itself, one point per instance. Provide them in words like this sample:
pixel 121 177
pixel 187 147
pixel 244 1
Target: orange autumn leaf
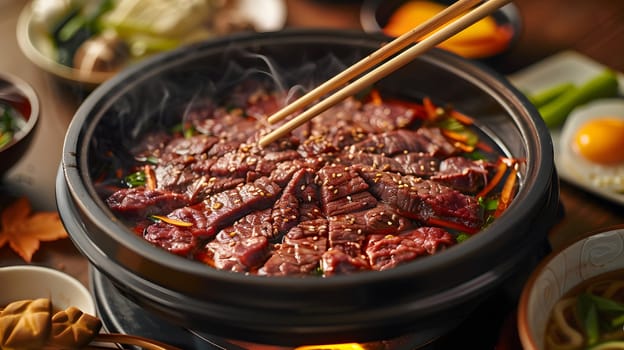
pixel 24 230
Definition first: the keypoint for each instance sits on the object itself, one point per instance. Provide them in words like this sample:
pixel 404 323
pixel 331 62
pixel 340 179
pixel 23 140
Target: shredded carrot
pixel 375 98
pixel 462 118
pixel 171 221
pixel 500 171
pixel 455 136
pixel 430 108
pixel 507 193
pixel 150 177
pixel 484 147
pixel 451 225
pixel 464 147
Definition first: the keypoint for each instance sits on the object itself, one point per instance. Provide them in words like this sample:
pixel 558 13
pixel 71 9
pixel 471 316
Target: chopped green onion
pixel 588 313
pixel 476 155
pixel 71 28
pixel 451 124
pixel 489 204
pixel 617 321
pixel 462 237
pixel 135 179
pixel 606 304
pixel 189 132
pixel 186 129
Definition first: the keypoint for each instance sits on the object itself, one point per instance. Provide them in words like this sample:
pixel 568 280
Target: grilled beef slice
pixel 422 199
pixel 387 251
pixel 217 211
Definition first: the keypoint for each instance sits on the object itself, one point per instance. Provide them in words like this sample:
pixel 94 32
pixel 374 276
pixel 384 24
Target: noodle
pixel 562 335
pixel 590 316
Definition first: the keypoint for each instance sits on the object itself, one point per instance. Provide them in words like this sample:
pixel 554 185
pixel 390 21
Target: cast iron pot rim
pixel 528 199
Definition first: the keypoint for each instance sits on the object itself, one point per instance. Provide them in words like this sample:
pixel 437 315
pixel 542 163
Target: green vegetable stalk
pixel 556 111
pixel 550 94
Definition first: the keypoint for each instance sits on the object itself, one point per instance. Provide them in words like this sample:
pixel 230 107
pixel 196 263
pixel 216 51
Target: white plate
pixel 567 66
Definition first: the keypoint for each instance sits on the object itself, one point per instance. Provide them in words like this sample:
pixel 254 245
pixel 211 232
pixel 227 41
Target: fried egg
pixel 592 144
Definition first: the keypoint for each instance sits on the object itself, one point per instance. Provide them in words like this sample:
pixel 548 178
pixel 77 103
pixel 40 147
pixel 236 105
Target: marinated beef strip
pixel 336 262
pixel 139 202
pixel 349 231
pixel 292 237
pixel 338 181
pixel 463 174
pixel 424 200
pixel 300 252
pixel 376 161
pixel 417 164
pixel 286 211
pixel 242 247
pixel 390 250
pixel 203 220
pixel 351 203
pixel 228 126
pixel 187 147
pixel 380 117
pixel 422 140
pixel 357 118
pixel 242 161
pixel 175 239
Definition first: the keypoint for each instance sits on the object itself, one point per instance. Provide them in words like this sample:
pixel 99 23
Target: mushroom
pixel 102 53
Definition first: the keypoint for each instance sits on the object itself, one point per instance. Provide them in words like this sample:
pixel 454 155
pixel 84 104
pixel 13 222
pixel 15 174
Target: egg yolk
pixel 601 140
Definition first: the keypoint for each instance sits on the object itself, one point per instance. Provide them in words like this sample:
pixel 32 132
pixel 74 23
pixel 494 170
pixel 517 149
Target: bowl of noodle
pixel 574 299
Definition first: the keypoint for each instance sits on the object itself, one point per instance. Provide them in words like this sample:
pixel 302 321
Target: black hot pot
pixel 426 298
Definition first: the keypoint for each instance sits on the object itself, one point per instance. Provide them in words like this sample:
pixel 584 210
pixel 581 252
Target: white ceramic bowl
pixel 31 282
pixel 593 254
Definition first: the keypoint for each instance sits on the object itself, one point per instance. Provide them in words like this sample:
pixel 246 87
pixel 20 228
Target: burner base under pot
pixel 480 330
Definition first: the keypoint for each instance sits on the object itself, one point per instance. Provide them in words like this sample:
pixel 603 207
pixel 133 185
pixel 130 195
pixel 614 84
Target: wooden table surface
pixel 594 28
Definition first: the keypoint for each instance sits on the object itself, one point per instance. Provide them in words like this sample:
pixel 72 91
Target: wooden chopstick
pixel 381 71
pixel 376 57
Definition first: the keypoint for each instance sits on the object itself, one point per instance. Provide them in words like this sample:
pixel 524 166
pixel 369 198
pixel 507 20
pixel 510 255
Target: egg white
pixel 608 177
